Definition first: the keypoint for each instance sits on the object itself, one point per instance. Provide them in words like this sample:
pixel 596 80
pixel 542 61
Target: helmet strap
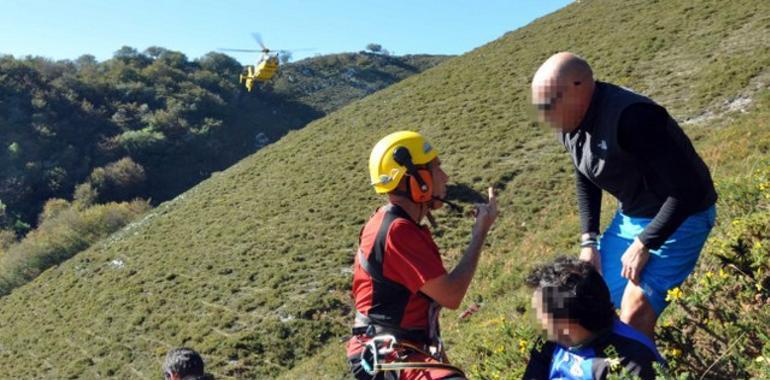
pixel 431 220
pixel 429 204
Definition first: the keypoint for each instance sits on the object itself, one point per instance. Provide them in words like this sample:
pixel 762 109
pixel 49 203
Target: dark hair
pixel 573 289
pixel 183 362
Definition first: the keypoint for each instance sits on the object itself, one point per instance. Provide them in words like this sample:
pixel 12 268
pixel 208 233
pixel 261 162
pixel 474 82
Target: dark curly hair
pixel 183 362
pixel 573 289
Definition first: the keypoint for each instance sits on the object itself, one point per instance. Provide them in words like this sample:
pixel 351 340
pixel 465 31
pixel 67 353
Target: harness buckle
pixel 372 350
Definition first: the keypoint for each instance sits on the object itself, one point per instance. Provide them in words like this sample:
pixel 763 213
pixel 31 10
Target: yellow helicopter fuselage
pixel 266 69
pixel 262 72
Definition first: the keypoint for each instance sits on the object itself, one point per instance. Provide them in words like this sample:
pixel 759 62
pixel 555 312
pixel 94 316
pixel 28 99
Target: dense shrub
pixel 120 180
pixel 52 208
pixel 63 232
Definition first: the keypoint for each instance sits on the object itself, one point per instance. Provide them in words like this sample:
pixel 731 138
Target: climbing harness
pixel 390 345
pixel 383 345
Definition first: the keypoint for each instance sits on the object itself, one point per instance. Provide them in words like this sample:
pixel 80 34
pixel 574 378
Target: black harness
pixel 389 298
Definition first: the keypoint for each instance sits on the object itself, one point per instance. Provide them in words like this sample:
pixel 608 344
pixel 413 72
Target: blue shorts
pixel 667 267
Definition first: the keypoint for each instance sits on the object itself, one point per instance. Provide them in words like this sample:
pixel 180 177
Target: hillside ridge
pixel 251 267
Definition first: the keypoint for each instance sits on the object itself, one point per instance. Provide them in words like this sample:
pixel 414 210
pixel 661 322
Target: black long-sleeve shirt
pixel 643 132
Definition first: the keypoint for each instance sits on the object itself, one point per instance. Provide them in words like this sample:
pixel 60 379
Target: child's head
pixel 568 293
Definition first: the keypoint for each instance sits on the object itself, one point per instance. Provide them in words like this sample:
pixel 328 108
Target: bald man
pixel 627 145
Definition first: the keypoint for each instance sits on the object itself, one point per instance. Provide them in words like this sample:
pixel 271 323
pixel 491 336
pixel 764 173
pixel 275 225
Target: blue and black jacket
pixel 621 348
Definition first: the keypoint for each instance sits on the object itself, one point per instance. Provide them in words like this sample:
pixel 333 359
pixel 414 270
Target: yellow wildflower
pixel 673 294
pixel 522 345
pixel 500 349
pixel 722 273
pixel 675 352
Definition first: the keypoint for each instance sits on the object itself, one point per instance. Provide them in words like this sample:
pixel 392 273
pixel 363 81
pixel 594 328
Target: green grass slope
pixel 251 267
pixel 179 119
pixel 326 83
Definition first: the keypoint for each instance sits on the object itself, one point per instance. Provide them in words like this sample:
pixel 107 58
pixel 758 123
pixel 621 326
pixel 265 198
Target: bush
pixel 119 181
pixel 14 149
pixel 85 195
pixel 62 234
pixel 142 140
pixel 52 208
pixel 7 237
pixel 720 323
pixel 374 48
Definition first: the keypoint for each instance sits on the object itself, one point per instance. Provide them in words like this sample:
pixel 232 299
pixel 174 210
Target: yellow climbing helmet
pixel 384 171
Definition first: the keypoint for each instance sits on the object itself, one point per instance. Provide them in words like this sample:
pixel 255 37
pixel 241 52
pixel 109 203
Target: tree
pixel 85 195
pixel 141 141
pixel 154 51
pixel 14 149
pixel 121 180
pixel 2 212
pixel 174 59
pixel 126 53
pixel 221 64
pixel 131 56
pixel 374 48
pixel 86 60
pixel 7 238
pixel 52 208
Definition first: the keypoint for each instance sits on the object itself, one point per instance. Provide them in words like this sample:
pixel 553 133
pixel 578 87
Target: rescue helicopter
pixel 265 67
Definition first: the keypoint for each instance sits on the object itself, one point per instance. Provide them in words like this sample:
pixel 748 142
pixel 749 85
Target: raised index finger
pixel 492 198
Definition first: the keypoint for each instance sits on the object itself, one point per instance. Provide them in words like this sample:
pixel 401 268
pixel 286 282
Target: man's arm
pixel 643 131
pixel 589 198
pixel 449 289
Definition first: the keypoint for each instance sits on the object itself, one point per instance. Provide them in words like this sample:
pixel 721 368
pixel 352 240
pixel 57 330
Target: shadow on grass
pixel 465 194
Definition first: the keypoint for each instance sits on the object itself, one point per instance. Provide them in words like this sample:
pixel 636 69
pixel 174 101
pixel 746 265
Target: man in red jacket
pixel 399 281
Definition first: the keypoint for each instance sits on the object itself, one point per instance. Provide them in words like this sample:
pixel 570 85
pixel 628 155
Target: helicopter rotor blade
pixel 258 37
pixel 241 50
pixel 293 50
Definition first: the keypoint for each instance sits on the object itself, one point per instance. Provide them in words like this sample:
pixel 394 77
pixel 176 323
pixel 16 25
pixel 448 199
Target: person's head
pixel 183 364
pixel 407 168
pixel 571 300
pixel 562 89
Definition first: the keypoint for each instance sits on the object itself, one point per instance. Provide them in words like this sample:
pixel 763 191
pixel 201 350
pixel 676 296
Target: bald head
pixel 562 89
pixel 563 67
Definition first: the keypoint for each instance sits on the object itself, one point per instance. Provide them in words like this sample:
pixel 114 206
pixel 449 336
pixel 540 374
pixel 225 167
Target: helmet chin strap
pixel 431 220
pixel 454 206
pixel 430 205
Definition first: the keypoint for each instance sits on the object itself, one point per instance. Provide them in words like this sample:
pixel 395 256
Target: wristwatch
pixel 589 239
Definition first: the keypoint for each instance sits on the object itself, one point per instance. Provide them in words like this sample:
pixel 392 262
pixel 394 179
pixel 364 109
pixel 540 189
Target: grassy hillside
pixel 251 267
pixel 178 119
pixel 144 125
pixel 329 82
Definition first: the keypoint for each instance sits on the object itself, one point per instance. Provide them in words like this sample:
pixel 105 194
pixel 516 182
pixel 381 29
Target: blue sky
pixel 66 29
